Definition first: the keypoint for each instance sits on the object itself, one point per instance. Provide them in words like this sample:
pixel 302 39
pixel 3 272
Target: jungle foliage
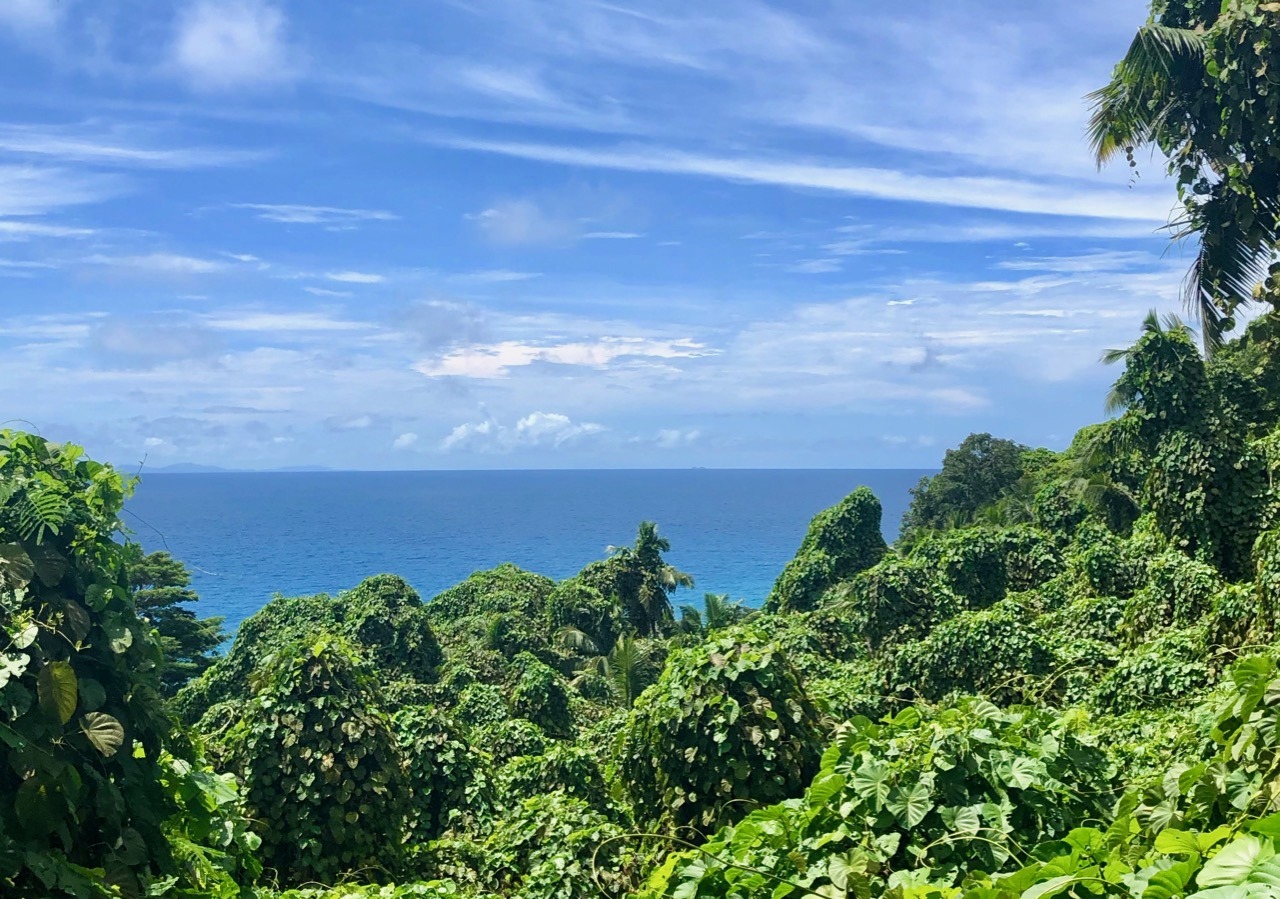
pixel 1060 681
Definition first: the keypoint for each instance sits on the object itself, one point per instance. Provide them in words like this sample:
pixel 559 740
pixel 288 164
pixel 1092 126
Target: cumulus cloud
pixel 227 44
pixel 497 360
pixel 404 441
pixel 545 430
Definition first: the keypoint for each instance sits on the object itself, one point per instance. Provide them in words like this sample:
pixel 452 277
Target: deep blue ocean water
pixel 250 536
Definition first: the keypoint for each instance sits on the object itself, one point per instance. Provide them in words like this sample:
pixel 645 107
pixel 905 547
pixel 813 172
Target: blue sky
pixel 560 233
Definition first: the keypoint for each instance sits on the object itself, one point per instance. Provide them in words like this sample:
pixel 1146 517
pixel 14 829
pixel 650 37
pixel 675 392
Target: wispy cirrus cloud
pixel 298 214
pixel 966 191
pixel 115 145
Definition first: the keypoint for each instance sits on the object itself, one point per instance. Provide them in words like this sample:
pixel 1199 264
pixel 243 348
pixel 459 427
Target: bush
pixel 996 653
pixel 446 780
pixel 574 604
pixel 967 787
pixel 568 769
pixel 1109 564
pixel 1170 668
pixel 502 589
pixel 895 601
pixel 323 775
pixel 727 725
pixel 382 619
pixel 509 738
pixel 841 541
pixel 541 696
pixel 1179 592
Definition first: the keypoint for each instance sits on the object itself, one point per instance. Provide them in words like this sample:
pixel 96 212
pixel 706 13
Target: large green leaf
pixel 910 806
pixel 1248 859
pixel 56 687
pixel 104 732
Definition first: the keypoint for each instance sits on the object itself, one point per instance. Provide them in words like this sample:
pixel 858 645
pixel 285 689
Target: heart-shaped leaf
pixel 104 732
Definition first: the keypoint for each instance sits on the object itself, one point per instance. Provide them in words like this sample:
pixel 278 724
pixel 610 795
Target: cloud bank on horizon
pixel 563 233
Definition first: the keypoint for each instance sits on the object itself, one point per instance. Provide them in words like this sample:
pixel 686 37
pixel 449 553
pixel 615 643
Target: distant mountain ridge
pixel 196 468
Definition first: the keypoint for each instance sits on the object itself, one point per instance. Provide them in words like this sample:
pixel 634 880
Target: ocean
pixel 249 536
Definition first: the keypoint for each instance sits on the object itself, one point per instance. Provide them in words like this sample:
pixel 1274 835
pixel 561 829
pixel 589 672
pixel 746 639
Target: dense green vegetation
pixel 1061 680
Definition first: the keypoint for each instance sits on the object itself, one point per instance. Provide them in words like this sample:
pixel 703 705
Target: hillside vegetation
pixel 1060 681
pixel 1069 688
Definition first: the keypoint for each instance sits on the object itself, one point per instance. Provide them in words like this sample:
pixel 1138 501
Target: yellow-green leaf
pixel 56 688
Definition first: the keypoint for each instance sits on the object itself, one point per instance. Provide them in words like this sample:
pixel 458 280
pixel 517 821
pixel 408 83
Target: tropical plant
pixel 162 592
pixel 1195 85
pixel 631 665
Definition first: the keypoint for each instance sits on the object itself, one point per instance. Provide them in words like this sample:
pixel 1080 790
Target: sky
pixel 562 233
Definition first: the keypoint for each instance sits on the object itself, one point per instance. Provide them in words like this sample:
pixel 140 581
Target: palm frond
pixel 1136 106
pixel 569 637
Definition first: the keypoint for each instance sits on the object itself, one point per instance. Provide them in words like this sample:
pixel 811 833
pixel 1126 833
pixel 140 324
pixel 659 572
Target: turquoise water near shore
pixel 248 536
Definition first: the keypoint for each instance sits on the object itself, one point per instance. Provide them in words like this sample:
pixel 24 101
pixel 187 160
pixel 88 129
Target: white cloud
pixel 494 276
pixel 524 222
pixel 117 146
pixel 496 360
pixel 161 264
pixel 548 430
pixel 673 438
pixel 293 214
pixel 404 441
pixel 355 277
pixel 967 191
pixel 282 322
pixel 226 44
pixel 611 235
pixel 814 266
pixel 28 16
pixel 32 190
pixel 325 292
pixel 11 229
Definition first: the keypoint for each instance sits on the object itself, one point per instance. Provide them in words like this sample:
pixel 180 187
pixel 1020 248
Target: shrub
pixel 841 541
pixel 1170 668
pixel 445 774
pixel 382 619
pixel 541 696
pixel 574 604
pixel 509 738
pixel 502 589
pixel 568 769
pixel 1179 592
pixel 727 722
pixel 1108 563
pixel 967 787
pixel 996 653
pixel 897 600
pixel 83 725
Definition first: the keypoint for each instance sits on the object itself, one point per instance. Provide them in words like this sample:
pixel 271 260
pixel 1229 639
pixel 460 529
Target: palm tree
pixel 629 667
pixel 1163 95
pixel 649 606
pixel 717 612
